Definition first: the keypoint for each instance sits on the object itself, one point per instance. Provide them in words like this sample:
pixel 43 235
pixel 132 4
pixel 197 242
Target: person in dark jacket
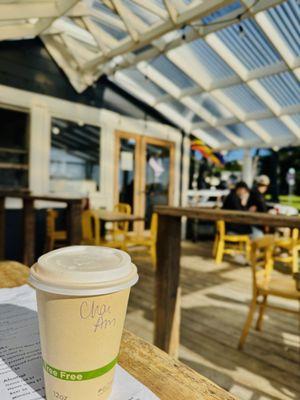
pixel 237 200
pixel 257 202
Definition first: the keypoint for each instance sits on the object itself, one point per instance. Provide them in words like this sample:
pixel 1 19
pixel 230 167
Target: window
pixel 75 157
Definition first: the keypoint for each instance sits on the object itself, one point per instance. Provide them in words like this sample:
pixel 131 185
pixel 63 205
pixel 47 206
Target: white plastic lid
pixel 83 271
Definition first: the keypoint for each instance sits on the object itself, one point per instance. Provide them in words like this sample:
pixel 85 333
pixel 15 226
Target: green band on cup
pixel 79 376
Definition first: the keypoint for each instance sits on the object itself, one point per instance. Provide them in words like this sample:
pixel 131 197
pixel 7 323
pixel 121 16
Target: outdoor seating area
pixel 150 200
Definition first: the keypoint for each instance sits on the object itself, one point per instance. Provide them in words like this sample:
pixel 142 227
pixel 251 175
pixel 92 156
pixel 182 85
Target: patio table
pixel 168 378
pixel 74 210
pixel 167 295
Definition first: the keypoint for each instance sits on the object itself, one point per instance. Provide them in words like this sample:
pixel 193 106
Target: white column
pixel 247 171
pixel 39 148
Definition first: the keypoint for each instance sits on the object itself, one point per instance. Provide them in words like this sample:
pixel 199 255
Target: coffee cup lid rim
pixel 83 270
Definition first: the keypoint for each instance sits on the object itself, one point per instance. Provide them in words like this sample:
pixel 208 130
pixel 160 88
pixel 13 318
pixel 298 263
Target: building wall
pixel 26 65
pixel 42 108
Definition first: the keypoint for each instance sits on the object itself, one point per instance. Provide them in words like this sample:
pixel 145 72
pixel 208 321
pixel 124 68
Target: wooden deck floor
pixel 214 307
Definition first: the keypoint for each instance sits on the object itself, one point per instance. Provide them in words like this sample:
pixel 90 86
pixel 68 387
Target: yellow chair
pixel 229 244
pixel 266 282
pixel 121 228
pixel 287 250
pixel 147 239
pixel 91 232
pixel 53 236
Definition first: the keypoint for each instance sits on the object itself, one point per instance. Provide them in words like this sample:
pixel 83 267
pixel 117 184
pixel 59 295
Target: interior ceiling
pixel 225 71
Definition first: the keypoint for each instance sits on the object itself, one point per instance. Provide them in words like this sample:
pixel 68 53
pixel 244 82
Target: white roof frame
pixel 113 35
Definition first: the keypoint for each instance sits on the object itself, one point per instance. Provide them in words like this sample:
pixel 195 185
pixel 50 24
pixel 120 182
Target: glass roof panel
pixel 244 98
pixel 284 87
pixel 286 18
pixel 207 58
pixel 176 75
pixel 276 128
pixel 145 83
pixel 214 107
pixel 252 48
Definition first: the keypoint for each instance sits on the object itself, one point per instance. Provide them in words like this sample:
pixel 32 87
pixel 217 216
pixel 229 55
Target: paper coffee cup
pixel 82 296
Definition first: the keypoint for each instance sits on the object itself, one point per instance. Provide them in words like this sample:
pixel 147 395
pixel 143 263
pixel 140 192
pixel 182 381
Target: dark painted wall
pixel 26 64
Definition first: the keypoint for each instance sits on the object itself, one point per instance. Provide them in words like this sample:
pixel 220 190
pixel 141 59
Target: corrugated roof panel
pixel 286 18
pixel 252 47
pixel 222 12
pixel 214 107
pixel 296 118
pixel 245 133
pixel 111 30
pixel 284 87
pixel 218 136
pixel 276 128
pixel 244 98
pixel 176 75
pixel 183 111
pixel 141 80
pixel 211 61
pixel 146 16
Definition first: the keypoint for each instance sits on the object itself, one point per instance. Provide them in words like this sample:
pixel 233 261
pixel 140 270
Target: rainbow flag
pixel 207 152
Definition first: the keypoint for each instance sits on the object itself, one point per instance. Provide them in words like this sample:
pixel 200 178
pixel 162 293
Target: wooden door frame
pixel 171 146
pixel 137 154
pixel 139 197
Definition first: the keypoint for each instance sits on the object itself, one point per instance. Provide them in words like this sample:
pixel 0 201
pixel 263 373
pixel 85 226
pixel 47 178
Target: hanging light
pixel 55 130
pixel 241 30
pixel 183 35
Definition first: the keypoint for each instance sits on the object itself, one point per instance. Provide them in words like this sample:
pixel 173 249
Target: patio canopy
pixel 225 71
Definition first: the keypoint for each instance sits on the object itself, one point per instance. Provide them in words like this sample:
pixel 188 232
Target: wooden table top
pixel 114 216
pixel 168 378
pixel 239 217
pixel 47 197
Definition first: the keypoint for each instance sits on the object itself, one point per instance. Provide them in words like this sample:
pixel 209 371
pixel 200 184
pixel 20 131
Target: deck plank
pixel 214 307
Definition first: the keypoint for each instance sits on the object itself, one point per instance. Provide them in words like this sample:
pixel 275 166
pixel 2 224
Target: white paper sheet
pixel 21 374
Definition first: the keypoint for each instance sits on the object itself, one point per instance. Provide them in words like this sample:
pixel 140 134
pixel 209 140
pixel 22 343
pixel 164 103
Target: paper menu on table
pixel 21 373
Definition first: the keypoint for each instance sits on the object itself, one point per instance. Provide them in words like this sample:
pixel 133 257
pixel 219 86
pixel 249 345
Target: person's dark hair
pixel 241 185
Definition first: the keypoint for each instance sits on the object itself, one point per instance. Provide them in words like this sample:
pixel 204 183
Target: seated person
pixel 257 202
pixel 237 200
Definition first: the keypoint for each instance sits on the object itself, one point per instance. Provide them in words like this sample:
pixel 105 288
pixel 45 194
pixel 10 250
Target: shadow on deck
pixel 214 307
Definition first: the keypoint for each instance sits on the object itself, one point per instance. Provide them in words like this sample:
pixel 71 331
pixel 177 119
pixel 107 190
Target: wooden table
pixel 74 210
pixel 167 296
pixel 114 216
pixel 168 378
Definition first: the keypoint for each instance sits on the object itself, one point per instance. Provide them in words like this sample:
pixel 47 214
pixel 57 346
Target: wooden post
pixel 28 231
pixel 167 299
pixel 74 212
pixel 2 228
